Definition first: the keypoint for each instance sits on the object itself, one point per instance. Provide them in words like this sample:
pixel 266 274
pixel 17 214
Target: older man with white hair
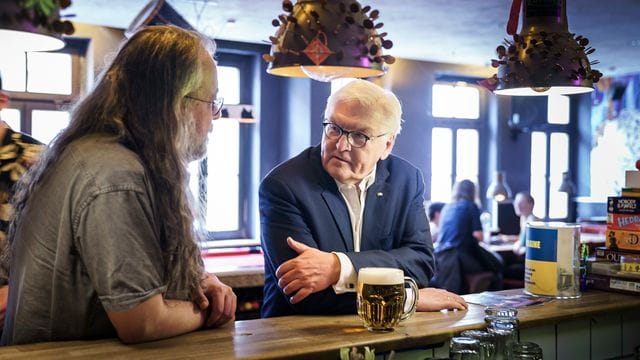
pixel 345 204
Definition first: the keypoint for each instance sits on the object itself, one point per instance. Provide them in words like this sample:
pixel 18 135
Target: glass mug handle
pixel 414 299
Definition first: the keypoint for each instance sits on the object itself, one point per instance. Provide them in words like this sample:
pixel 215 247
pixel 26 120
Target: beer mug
pixel 382 296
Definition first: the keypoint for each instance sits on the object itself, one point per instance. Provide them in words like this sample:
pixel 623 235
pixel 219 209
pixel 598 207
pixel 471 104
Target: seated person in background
pixel 17 152
pixel 459 252
pixel 433 212
pixel 343 205
pixel 115 250
pixel 523 204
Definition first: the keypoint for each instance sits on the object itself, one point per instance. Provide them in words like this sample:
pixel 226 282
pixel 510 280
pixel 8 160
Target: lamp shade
pixel 498 189
pixel 544 59
pixel 326 40
pixel 567 186
pixel 26 26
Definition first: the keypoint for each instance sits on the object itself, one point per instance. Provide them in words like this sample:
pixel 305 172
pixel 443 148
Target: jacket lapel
pixel 374 215
pixel 333 200
pixel 340 214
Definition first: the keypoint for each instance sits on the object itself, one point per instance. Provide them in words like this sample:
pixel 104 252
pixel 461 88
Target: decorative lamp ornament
pixel 326 40
pixel 33 25
pixel 544 59
pixel 499 189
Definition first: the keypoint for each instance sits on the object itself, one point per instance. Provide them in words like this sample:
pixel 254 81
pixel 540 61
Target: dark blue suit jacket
pixel 300 199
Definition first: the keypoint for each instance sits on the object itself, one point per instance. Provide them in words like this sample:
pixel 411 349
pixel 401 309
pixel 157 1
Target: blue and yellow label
pixel 541 263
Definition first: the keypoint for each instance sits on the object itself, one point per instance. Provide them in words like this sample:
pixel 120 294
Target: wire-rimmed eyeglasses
pixel 356 139
pixel 216 105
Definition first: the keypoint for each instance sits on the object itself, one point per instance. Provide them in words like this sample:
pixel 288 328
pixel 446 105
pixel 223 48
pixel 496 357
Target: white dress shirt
pixel 355 196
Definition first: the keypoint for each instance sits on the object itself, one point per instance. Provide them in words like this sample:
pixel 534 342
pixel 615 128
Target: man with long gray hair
pixel 103 242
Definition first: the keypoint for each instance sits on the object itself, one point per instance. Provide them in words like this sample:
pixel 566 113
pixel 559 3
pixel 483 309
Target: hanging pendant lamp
pixel 33 25
pixel 499 190
pixel 326 40
pixel 544 59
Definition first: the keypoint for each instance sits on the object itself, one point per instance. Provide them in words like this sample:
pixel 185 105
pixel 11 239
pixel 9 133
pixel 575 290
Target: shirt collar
pixel 364 184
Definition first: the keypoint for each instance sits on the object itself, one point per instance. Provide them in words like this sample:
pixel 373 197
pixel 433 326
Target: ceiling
pixel 452 31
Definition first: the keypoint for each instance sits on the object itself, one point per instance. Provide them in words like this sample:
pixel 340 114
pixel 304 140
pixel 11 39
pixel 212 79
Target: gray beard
pixel 191 145
pixel 196 150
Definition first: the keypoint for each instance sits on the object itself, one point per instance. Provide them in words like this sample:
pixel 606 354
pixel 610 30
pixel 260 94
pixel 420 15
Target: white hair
pixel 384 107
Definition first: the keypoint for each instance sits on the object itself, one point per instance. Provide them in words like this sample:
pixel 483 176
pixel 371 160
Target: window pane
pixel 462 102
pixel 559 156
pixel 441 157
pixel 538 172
pixel 467 153
pixel 229 84
pixel 467 103
pixel 442 99
pixel 49 73
pixel 46 124
pixel 11 117
pixel 558 109
pixel 194 178
pixel 559 163
pixel 13 70
pixel 608 161
pixel 338 83
pixel 223 176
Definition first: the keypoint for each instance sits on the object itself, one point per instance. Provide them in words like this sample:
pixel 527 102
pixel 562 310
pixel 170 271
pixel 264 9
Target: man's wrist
pixel 336 269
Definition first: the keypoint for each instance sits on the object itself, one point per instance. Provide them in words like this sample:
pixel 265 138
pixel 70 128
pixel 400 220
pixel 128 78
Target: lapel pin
pixel 379 194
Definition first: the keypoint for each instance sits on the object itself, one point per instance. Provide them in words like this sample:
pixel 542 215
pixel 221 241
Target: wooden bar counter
pixel 305 337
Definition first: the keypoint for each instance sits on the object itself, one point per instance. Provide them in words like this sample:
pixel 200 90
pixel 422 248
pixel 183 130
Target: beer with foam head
pixel 382 297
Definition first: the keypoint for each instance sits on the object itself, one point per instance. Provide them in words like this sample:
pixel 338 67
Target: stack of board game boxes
pixel 616 266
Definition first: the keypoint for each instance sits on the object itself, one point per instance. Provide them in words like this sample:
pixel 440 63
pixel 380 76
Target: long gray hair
pixel 140 101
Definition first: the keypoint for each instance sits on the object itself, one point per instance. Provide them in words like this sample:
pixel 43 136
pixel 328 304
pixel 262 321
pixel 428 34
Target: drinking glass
pixel 501 311
pixel 525 350
pixel 487 342
pixel 505 331
pixel 464 348
pixel 382 295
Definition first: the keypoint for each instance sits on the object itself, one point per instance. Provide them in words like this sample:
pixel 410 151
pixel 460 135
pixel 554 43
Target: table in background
pixel 243 270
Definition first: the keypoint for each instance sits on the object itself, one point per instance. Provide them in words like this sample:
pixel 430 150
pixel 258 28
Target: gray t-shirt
pixel 91 243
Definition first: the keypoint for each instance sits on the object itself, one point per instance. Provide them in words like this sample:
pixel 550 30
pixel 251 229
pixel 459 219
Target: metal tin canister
pixel 552 261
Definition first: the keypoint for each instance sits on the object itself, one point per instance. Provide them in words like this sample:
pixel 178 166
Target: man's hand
pixel 4 295
pixel 433 299
pixel 218 299
pixel 4 100
pixel 309 272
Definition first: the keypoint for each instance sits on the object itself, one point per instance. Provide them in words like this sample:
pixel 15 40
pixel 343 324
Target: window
pixel 441 160
pixel 539 172
pixel 46 124
pixel 338 83
pixel 221 181
pixel 455 145
pixel 549 159
pixel 11 117
pixel 41 85
pixel 558 109
pixel 455 101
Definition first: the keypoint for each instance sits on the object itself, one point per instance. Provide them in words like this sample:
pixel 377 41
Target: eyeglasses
pixel 216 105
pixel 356 139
